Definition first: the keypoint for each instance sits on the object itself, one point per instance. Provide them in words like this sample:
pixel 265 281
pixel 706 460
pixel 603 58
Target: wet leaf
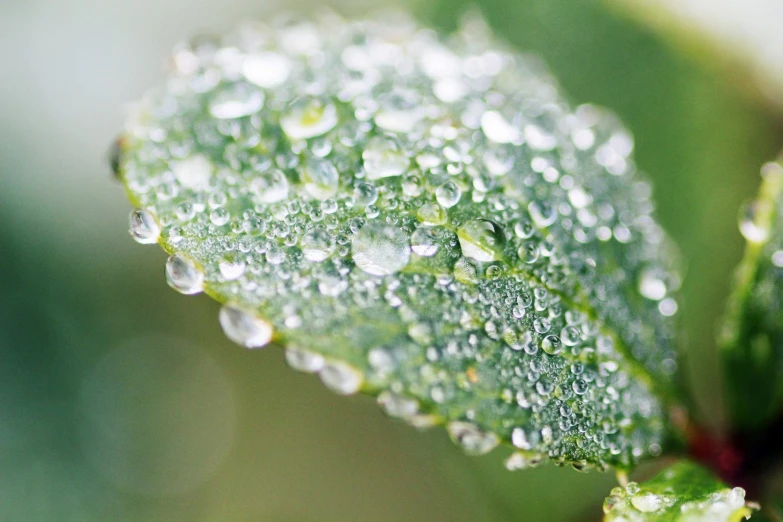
pixel 423 220
pixel 752 336
pixel 683 492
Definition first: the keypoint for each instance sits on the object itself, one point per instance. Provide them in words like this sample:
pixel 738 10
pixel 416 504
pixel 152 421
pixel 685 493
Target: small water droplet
pixel 231 267
pixel 448 194
pixel 542 212
pixel 143 227
pixel 309 117
pixel 317 245
pixel 651 284
pixel 646 501
pixel 552 345
pixel 304 360
pixel 383 158
pixel 320 179
pixel 194 172
pixel 266 69
pixel 236 101
pixel 380 249
pixel 424 242
pixel 341 378
pixel 753 221
pixel 431 214
pixel 183 275
pixel 244 327
pixel 482 239
pixel 471 438
pixel 497 129
pixel 396 405
pixel 270 186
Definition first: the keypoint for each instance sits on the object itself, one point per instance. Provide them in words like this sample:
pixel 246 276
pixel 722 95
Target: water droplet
pixel 528 252
pixel 244 327
pixel 652 285
pixel 341 378
pixel 143 227
pixel 471 438
pixel 524 229
pixel 236 101
pixel 497 129
pixel 231 267
pixel 317 245
pixel 380 249
pixel 309 117
pixel 424 242
pixel 524 439
pixel 777 258
pixel 304 360
pixel 482 239
pixel 384 158
pixel 365 194
pixel 183 275
pixel 523 460
pixel 194 172
pixel 320 179
pixel 543 213
pixel 398 406
pixel 646 502
pixel 431 214
pixel 754 221
pixel 270 186
pixel 448 194
pixel 266 69
pixel 552 345
pixel 399 111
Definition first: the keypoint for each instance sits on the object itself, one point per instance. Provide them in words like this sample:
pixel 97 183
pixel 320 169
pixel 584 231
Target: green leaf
pixel 752 336
pixel 683 492
pixel 426 221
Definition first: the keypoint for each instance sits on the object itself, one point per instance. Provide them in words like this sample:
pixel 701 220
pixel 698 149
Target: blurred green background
pixel 122 400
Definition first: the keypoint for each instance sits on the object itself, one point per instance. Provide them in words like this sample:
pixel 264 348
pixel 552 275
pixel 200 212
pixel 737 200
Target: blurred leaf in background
pixel 121 400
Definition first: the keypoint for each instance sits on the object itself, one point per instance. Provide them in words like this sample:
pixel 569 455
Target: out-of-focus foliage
pixel 752 336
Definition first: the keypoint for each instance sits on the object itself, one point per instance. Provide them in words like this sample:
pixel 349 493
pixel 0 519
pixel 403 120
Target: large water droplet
pixel 482 239
pixel 471 438
pixel 320 179
pixel 244 327
pixel 309 117
pixel 183 275
pixel 270 186
pixel 341 378
pixel 236 101
pixel 143 227
pixel 380 249
pixel 384 158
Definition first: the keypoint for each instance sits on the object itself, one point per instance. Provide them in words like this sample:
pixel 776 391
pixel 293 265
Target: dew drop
pixel 396 405
pixel 471 438
pixel 380 249
pixel 543 213
pixel 552 345
pixel 320 179
pixel 183 275
pixel 194 172
pixel 143 227
pixel 304 360
pixel 266 69
pixel 244 327
pixel 431 214
pixel 424 242
pixel 231 268
pixel 646 502
pixel 365 194
pixel 383 158
pixel 651 285
pixel 482 239
pixel 309 117
pixel 317 245
pixel 270 186
pixel 236 101
pixel 497 129
pixel 341 378
pixel 448 194
pixel 752 222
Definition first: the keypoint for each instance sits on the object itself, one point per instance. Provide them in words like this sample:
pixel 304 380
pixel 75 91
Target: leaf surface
pixel 683 492
pixel 423 220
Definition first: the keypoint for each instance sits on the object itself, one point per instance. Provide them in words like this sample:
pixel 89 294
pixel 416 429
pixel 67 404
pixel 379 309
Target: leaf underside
pixel 683 492
pixel 419 219
pixel 752 336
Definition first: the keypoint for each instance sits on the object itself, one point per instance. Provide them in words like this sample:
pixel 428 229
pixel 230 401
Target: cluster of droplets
pixel 423 217
pixel 637 504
